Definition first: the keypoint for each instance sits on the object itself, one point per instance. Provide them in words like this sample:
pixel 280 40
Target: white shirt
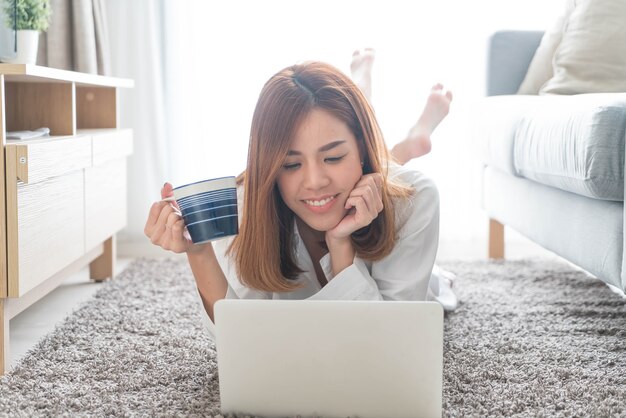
pixel 404 274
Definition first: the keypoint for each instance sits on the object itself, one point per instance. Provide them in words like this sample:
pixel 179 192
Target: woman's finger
pixel 165 239
pixel 174 238
pixel 375 183
pixel 156 218
pixel 167 195
pixel 167 191
pixel 157 236
pixel 166 210
pixel 172 218
pixel 362 214
pixel 170 234
pixel 179 244
pixel 369 196
pixel 153 215
pixel 374 180
pixel 371 183
pixel 160 226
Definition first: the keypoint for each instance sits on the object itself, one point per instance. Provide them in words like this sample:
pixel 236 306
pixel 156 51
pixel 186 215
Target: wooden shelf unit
pixel 63 197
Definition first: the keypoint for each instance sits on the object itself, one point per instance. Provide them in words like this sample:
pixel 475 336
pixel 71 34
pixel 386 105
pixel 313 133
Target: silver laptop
pixel 330 358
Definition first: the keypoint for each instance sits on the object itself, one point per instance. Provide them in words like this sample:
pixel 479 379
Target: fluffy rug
pixel 529 339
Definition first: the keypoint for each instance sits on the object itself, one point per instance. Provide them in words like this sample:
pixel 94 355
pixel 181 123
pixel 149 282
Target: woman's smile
pixel 322 204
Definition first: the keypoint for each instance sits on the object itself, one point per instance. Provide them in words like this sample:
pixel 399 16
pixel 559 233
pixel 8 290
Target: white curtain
pixel 199 66
pixel 136 36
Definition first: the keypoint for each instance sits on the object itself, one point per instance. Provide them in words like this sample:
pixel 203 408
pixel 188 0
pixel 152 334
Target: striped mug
pixel 209 208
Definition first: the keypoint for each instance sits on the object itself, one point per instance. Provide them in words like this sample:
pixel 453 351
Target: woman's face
pixel 322 167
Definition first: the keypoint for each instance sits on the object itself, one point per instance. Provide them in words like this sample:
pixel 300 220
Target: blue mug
pixel 209 208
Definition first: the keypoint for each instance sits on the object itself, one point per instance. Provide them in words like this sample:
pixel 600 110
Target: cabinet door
pixel 45 209
pixel 105 184
pixel 105 201
pixel 46 224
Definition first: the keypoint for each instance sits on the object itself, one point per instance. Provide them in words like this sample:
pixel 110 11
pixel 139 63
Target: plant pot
pixel 27 45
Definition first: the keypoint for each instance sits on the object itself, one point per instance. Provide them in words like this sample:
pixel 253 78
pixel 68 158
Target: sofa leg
pixel 496 239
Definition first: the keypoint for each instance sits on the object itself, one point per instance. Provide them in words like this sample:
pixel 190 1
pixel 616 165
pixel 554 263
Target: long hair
pixel 264 248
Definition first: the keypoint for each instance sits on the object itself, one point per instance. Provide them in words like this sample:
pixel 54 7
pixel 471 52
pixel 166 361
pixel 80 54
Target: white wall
pixel 217 56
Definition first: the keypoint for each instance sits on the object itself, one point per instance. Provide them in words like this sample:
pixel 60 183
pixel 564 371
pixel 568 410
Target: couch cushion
pixel 591 56
pixel 574 143
pixel 540 69
pixel 495 120
pixel 583 52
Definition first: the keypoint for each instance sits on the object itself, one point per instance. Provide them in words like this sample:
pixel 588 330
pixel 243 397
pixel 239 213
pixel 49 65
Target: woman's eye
pixel 291 166
pixel 334 159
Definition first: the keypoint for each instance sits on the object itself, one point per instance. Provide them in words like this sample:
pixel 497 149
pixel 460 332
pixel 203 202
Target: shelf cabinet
pixel 64 195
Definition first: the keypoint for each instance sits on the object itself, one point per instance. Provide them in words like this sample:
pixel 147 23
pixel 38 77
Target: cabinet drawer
pixel 105 201
pixel 111 144
pixel 39 160
pixel 45 225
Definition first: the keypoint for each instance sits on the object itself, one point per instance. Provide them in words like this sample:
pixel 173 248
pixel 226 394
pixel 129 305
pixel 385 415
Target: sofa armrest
pixel 509 56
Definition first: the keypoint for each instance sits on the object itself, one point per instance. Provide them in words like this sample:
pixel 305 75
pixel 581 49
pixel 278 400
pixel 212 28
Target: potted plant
pixel 28 17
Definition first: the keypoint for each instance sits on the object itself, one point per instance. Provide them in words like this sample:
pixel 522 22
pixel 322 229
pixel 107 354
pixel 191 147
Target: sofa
pixel 552 164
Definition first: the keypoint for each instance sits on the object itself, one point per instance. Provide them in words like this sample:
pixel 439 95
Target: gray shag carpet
pixel 529 339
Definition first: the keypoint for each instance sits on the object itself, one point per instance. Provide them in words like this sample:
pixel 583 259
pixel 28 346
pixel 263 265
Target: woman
pixel 325 214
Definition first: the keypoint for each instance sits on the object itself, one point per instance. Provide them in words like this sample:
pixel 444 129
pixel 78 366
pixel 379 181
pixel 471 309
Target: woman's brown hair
pixel 264 248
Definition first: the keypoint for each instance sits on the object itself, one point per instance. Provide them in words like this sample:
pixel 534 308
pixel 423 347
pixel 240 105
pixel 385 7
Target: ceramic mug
pixel 208 208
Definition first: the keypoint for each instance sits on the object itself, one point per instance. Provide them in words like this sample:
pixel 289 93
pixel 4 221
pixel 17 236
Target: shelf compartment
pixel 96 107
pixel 34 105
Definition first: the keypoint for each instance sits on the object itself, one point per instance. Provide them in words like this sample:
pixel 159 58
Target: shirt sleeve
pixel 207 324
pixel 405 273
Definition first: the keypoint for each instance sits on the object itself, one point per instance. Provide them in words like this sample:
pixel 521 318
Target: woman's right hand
pixel 165 226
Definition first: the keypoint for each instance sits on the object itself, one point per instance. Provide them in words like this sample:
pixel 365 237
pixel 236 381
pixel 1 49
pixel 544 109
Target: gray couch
pixel 553 164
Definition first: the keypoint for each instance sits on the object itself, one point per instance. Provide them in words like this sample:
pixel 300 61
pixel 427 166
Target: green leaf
pixel 31 14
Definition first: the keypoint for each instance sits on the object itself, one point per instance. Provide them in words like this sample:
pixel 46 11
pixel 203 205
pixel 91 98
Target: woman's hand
pixel 365 203
pixel 165 226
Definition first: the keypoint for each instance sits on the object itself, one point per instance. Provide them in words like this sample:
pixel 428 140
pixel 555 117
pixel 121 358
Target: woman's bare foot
pixel 417 142
pixel 361 69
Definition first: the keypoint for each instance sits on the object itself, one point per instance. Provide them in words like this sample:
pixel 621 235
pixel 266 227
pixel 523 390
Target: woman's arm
pixel 210 278
pixel 166 229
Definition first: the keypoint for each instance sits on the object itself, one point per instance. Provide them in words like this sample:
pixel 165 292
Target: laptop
pixel 330 358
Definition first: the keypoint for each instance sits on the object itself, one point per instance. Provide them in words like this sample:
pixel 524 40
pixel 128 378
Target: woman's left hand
pixel 365 203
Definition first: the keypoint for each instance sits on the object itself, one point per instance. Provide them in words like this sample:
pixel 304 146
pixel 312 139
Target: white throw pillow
pixel 591 56
pixel 540 69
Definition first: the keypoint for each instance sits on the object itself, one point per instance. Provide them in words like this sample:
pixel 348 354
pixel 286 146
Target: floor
pixel 27 328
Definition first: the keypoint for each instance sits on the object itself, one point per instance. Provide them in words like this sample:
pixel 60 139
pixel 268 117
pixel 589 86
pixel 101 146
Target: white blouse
pixel 405 274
